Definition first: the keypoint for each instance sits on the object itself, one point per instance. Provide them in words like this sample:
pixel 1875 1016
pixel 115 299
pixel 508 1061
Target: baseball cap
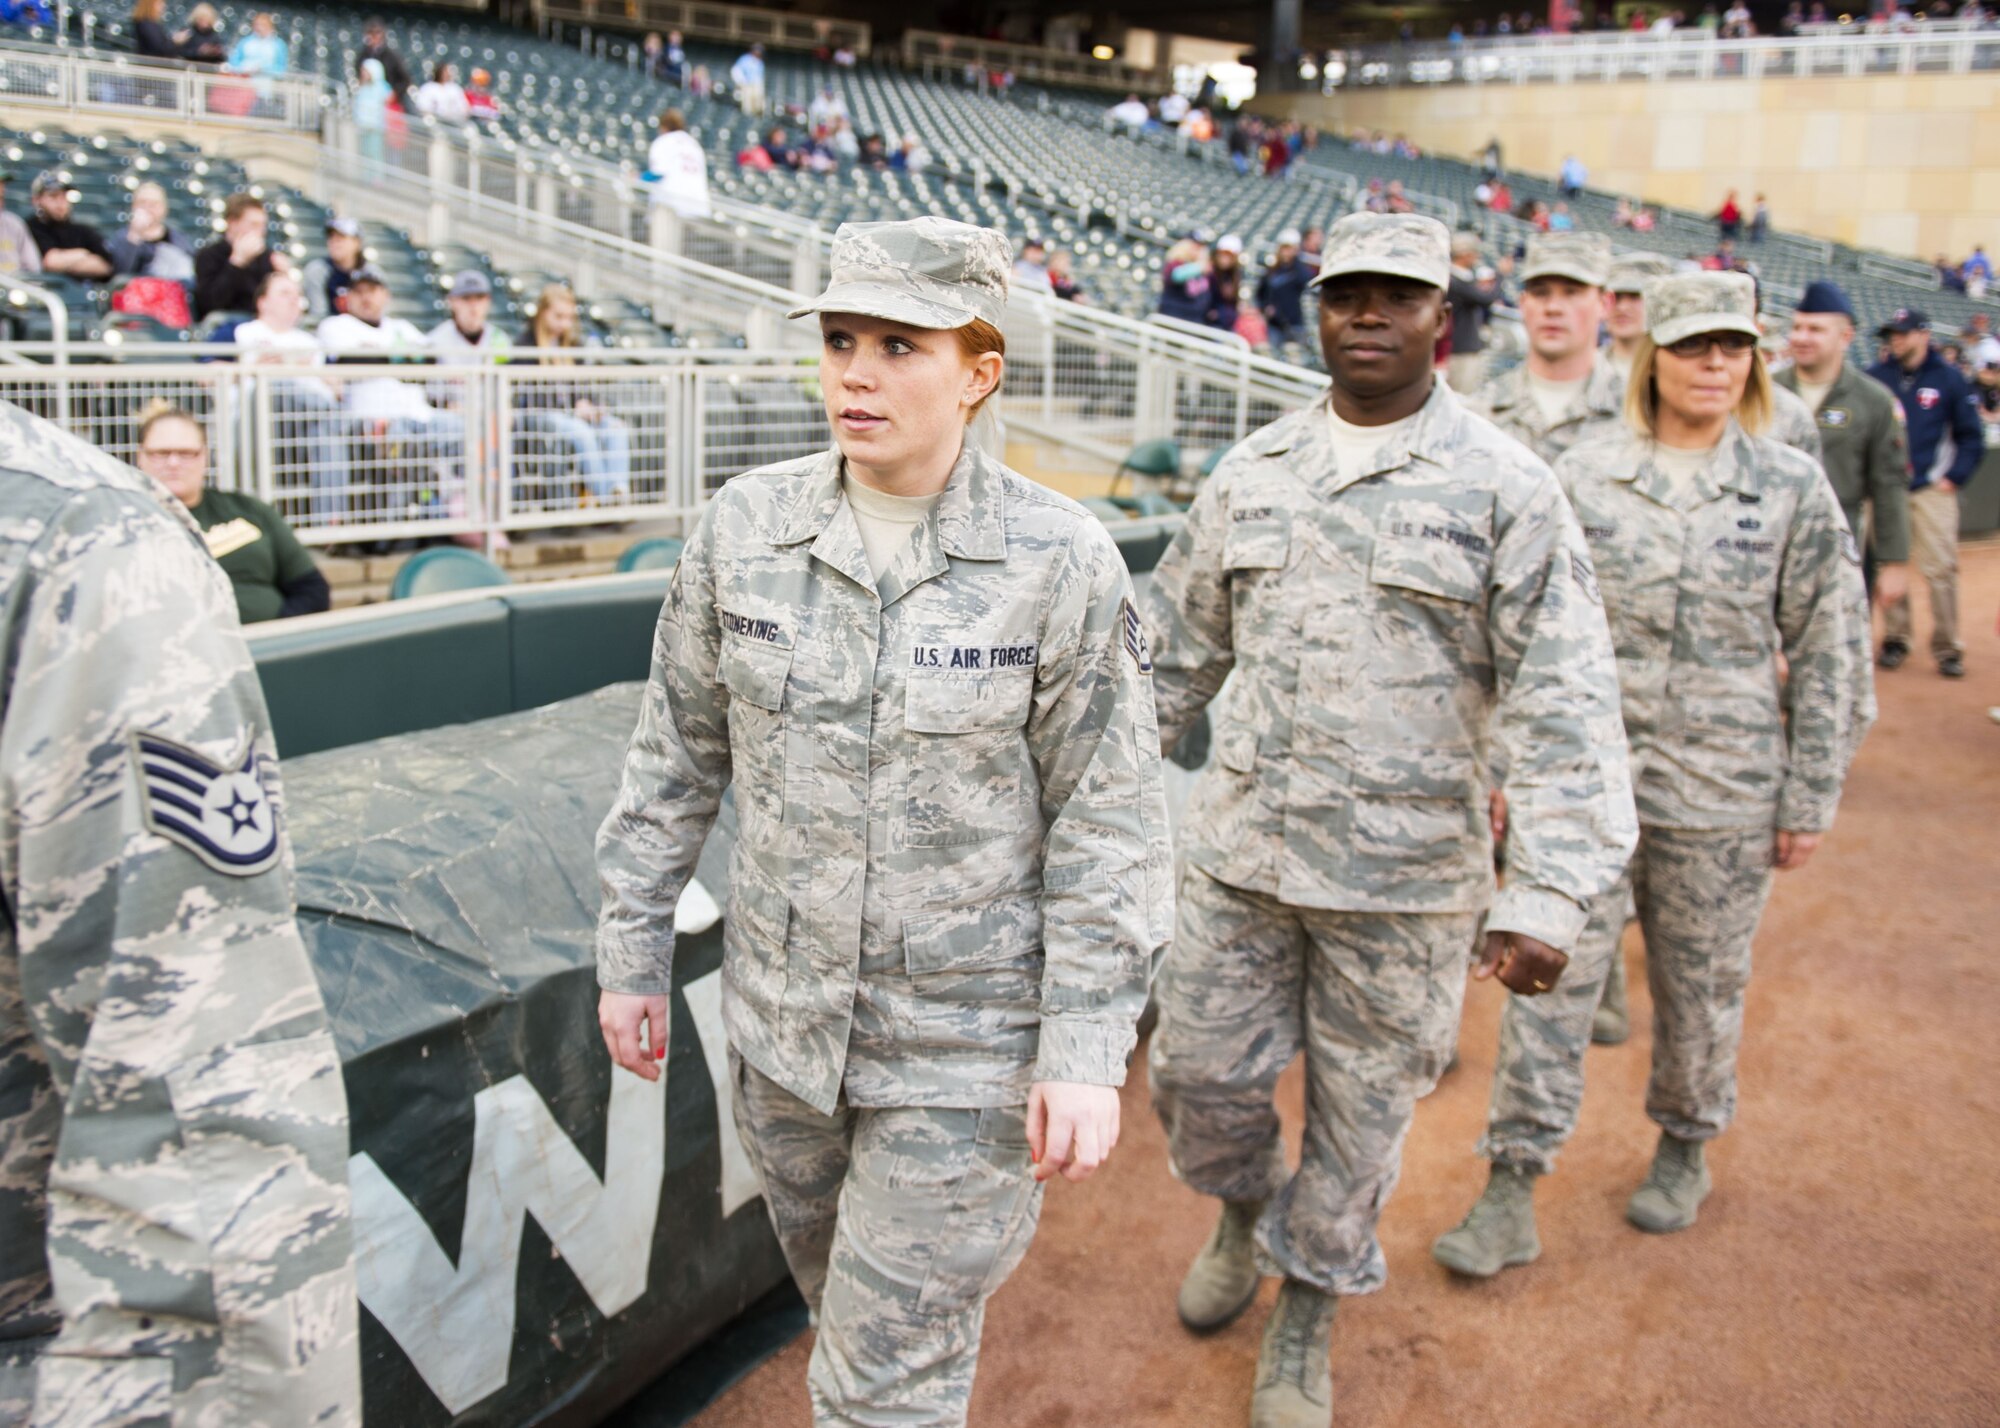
pixel 928 272
pixel 1630 272
pixel 1905 319
pixel 1580 257
pixel 1684 304
pixel 49 181
pixel 367 273
pixel 345 227
pixel 1404 245
pixel 1229 243
pixel 1289 237
pixel 471 283
pixel 1823 296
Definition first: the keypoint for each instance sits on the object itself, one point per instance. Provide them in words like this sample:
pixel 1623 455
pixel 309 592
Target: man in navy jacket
pixel 1942 414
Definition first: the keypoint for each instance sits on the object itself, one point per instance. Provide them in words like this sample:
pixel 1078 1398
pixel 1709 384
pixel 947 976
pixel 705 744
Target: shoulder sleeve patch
pixel 1135 638
pixel 222 815
pixel 1585 576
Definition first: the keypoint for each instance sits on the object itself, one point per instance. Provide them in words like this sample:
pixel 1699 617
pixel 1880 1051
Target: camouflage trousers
pixel 1371 999
pixel 898 1224
pixel 1699 896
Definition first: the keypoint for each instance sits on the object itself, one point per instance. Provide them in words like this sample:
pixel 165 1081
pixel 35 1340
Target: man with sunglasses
pixel 1400 591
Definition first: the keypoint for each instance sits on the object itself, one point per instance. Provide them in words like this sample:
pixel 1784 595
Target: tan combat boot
pixel 1294 1378
pixel 1223 1278
pixel 1673 1190
pixel 1499 1231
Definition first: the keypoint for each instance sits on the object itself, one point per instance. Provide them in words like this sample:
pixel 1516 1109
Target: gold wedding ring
pixel 1541 986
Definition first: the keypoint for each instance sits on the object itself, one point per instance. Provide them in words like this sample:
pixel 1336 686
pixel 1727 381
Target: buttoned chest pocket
pixel 1255 551
pixel 1428 573
pixel 971 775
pixel 1736 590
pixel 756 674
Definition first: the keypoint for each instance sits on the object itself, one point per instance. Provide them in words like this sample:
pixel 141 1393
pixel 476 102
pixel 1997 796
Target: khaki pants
pixel 1934 548
pixel 1465 371
pixel 898 1225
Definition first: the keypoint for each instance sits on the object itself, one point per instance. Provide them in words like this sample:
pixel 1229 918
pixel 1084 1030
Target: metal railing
pixel 44 77
pixel 933 49
pixel 1566 59
pixel 699 19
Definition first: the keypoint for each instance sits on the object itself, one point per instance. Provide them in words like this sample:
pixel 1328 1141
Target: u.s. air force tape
pixel 221 814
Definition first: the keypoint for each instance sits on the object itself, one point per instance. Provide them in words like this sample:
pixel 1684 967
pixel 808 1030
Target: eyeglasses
pixel 1733 344
pixel 173 453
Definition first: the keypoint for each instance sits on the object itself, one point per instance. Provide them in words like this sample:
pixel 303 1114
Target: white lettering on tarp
pixel 739 1179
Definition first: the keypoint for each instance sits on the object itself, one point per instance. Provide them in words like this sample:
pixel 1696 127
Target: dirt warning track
pixel 1846 1269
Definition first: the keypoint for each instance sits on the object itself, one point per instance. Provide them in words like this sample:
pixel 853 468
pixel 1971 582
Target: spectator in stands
pixel 1502 200
pixel 372 93
pixel 443 97
pixel 666 61
pixel 1573 177
pixel 305 408
pixel 1489 159
pixel 1982 348
pixel 1129 113
pixel 1950 276
pixel 911 157
pixel 700 84
pixel 1946 443
pixel 843 143
pixel 1395 200
pixel 826 107
pixel 18 251
pixel 601 441
pixel 375 46
pixel 1723 259
pixel 843 56
pixel 1062 279
pixel 268 569
pixel 1242 144
pixel 228 272
pixel 746 76
pixel 467 336
pixel 1644 219
pixel 151 39
pixel 1794 16
pixel 1174 107
pixel 1310 243
pixel 1561 220
pixel 1281 296
pixel 873 154
pixel 432 439
pixel 679 167
pixel 1539 215
pixel 72 249
pixel 202 42
pixel 1736 22
pixel 148 247
pixel 1729 218
pixel 1031 269
pixel 1986 386
pixel 263 52
pixel 1760 219
pixel 479 100
pixel 328 277
pixel 1184 281
pixel 1977 272
pixel 1373 199
pixel 1471 309
pixel 1621 213
pixel 1225 284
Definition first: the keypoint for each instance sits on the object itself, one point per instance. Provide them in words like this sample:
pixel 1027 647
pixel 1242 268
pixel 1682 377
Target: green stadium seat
pixel 434 572
pixel 660 553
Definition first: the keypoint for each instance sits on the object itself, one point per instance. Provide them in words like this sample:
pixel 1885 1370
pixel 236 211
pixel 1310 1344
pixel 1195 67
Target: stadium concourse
pixel 1842 1274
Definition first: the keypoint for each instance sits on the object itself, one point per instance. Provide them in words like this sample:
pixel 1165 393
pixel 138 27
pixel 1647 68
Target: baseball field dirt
pixel 1845 1271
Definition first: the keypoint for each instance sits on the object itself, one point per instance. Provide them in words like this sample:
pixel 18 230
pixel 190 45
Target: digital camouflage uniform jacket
pixel 1508 404
pixel 1702 599
pixel 173 1129
pixel 952 870
pixel 1386 627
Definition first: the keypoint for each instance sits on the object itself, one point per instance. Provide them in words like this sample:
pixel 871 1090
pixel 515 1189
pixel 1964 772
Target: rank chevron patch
pixel 221 815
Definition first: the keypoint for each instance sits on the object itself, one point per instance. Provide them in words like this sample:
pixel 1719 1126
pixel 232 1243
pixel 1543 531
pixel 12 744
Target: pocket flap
pixel 987 934
pixel 756 672
pixel 1258 545
pixel 1236 748
pixel 967 704
pixel 1430 567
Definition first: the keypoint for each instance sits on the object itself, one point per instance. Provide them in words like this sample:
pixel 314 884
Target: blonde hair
pixel 975 340
pixel 204 15
pixel 160 409
pixel 554 292
pixel 1642 394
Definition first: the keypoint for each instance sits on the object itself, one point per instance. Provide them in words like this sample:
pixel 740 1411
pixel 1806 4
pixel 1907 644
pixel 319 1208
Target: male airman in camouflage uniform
pixel 951 874
pixel 1625 305
pixel 1397 587
pixel 174 1241
pixel 1565 383
pixel 1708 577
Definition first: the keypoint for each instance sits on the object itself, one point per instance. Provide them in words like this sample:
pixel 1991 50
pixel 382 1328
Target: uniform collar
pixel 1732 467
pixel 1303 439
pixel 1602 395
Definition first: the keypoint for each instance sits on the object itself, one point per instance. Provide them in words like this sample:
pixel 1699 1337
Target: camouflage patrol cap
pixel 925 272
pixel 1630 272
pixel 1405 245
pixel 1683 304
pixel 1580 257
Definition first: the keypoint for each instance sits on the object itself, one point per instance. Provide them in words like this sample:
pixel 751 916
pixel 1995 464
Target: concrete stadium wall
pixel 1890 163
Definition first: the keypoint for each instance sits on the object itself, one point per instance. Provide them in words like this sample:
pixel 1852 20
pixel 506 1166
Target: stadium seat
pixel 660 553
pixel 1160 459
pixel 434 572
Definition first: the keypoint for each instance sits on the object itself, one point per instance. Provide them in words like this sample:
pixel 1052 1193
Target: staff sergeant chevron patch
pixel 222 816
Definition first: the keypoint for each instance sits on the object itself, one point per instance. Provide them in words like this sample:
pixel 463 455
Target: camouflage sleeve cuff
pixel 1541 913
pixel 1801 811
pixel 636 969
pixel 1086 1052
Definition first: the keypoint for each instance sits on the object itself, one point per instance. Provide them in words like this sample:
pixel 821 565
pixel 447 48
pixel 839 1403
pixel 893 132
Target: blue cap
pixel 1823 296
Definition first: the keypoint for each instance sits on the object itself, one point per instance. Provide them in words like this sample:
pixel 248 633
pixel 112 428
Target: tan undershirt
pixel 1813 393
pixel 1354 447
pixel 886 521
pixel 1680 466
pixel 1554 398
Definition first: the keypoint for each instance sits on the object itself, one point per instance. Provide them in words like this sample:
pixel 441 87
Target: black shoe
pixel 1952 667
pixel 1894 652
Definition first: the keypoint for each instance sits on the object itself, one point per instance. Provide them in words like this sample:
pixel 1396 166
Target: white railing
pixel 699 19
pixel 1565 59
pixel 45 77
pixel 929 50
